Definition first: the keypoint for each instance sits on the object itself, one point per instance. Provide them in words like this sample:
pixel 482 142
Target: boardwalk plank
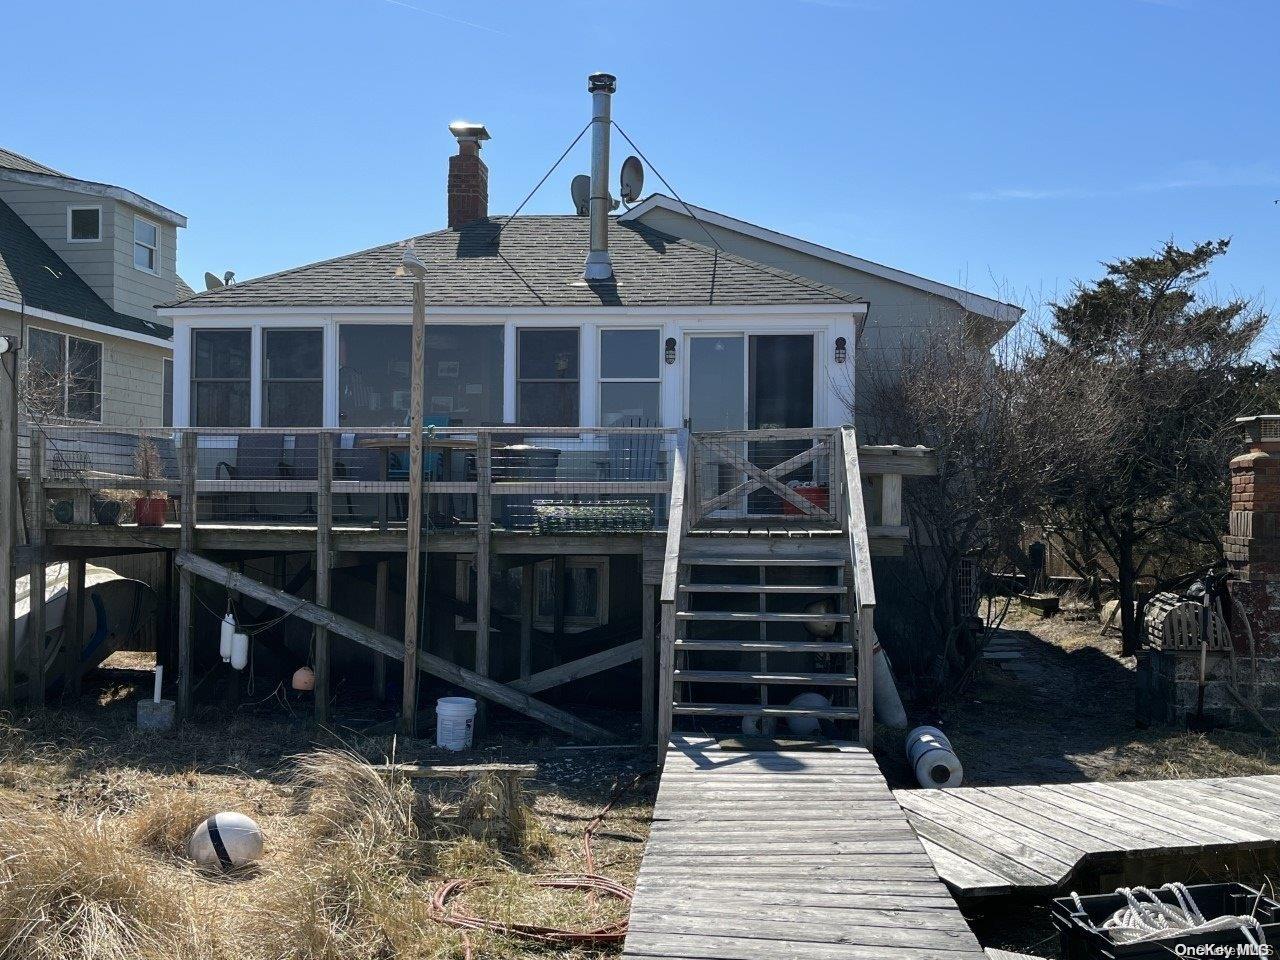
pixel 796 854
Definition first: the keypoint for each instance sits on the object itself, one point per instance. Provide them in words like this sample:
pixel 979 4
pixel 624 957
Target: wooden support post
pixel 866 677
pixel 35 616
pixel 413 553
pixel 891 500
pixel 648 658
pixel 666 682
pixel 528 594
pixel 557 609
pixel 8 521
pixel 380 591
pixel 186 541
pixel 324 561
pixel 484 524
pixel 73 628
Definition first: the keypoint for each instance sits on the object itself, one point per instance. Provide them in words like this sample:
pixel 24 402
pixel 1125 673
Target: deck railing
pixel 862 588
pixel 542 480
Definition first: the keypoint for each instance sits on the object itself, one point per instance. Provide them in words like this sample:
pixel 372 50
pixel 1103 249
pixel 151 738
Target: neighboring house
pixel 82 265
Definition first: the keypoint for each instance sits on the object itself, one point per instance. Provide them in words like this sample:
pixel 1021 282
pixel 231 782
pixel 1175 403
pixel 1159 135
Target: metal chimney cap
pixel 466 130
pixel 602 83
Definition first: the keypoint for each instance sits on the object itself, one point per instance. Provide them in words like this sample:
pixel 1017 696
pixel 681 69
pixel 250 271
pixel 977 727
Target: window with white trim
pixel 64 376
pixel 292 377
pixel 221 369
pixel 146 245
pixel 547 377
pixel 630 377
pixel 84 224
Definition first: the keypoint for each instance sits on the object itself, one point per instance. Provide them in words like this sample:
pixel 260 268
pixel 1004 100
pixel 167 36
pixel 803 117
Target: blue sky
pixel 1005 146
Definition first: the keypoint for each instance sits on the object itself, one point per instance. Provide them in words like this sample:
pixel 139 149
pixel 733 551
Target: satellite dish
pixel 632 179
pixel 580 190
pixel 211 282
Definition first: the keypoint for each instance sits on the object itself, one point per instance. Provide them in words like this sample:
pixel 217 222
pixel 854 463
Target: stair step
pixel 697 561
pixel 799 588
pixel 766 646
pixel 756 710
pixel 748 617
pixel 756 679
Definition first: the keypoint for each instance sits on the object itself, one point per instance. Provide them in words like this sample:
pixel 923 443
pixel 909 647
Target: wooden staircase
pixel 752 618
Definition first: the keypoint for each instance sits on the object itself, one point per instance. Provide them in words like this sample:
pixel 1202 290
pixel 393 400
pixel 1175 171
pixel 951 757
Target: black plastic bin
pixel 1081 942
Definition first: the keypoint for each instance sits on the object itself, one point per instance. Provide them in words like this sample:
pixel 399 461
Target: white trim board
pixel 1005 313
pixel 91 188
pixel 198 313
pixel 30 311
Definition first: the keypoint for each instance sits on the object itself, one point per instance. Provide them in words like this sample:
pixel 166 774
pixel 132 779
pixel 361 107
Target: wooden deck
pixel 988 841
pixel 757 855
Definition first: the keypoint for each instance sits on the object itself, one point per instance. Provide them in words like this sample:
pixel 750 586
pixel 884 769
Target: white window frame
pixel 601 379
pixel 578 380
pixel 155 251
pixel 66 359
pixel 71 208
pixel 192 380
pixel 265 381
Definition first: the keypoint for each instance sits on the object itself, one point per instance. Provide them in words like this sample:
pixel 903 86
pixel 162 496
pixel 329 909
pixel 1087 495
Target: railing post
pixel 484 522
pixel 649 656
pixel 866 676
pixel 8 520
pixel 186 543
pixel 677 524
pixel 324 532
pixel 35 611
pixel 862 591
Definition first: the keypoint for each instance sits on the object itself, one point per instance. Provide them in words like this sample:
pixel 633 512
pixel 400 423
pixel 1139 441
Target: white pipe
pixel 155 697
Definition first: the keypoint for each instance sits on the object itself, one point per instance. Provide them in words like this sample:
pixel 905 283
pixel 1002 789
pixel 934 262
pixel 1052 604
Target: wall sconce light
pixel 669 350
pixel 842 353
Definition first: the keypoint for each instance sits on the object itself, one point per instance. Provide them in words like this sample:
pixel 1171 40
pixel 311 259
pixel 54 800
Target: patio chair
pixel 259 456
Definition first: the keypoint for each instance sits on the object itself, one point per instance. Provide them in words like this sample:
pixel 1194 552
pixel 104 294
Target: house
pixel 628 413
pixel 82 266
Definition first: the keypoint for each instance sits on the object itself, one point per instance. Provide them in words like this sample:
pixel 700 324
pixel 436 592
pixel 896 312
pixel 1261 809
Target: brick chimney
pixel 468 175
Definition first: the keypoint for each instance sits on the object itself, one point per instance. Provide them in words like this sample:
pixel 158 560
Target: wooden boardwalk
pixel 988 841
pixel 760 855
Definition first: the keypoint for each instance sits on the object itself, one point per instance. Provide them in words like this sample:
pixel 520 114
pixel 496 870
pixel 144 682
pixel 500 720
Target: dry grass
pixel 93 849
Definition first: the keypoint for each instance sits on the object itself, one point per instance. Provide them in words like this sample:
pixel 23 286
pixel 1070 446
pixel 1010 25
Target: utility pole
pixel 8 514
pixel 415 268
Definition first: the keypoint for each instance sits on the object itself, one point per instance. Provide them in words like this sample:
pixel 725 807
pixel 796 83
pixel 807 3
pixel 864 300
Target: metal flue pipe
pixel 601 86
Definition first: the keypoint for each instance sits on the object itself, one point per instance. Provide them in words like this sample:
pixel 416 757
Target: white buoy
pixel 822 629
pixel 888 708
pixel 224 639
pixel 807 726
pixel 758 726
pixel 226 841
pixel 304 678
pixel 932 758
pixel 455 722
pixel 239 650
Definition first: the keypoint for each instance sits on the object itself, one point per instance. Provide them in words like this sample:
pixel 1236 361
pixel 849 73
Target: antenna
pixel 229 277
pixel 632 179
pixel 211 282
pixel 580 190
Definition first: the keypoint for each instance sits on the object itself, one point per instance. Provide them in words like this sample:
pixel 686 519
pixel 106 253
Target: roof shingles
pixel 33 275
pixel 531 261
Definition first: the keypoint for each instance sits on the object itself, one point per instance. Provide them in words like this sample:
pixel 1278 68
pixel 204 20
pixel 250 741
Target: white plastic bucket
pixel 455 722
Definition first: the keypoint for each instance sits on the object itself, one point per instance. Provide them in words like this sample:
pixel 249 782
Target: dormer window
pixel 146 245
pixel 84 224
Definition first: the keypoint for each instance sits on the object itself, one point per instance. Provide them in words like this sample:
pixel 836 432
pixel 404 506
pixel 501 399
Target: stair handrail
pixel 863 588
pixel 670 586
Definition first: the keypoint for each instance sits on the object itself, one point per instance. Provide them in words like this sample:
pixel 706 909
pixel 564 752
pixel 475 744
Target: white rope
pixel 1152 919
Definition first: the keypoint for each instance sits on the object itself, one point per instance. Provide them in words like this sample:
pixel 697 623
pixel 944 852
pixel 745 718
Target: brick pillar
pixel 468 184
pixel 1252 544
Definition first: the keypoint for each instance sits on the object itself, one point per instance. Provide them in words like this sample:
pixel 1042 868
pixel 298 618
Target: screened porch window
pixel 292 378
pixel 630 368
pixel 463 376
pixel 220 374
pixel 547 378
